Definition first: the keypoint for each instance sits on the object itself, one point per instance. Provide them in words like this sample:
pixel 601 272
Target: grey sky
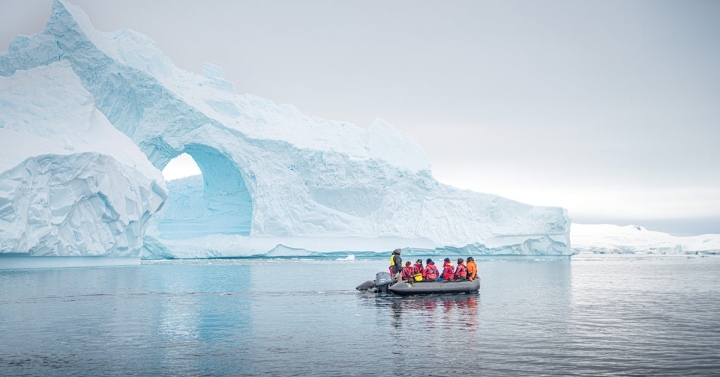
pixel 610 109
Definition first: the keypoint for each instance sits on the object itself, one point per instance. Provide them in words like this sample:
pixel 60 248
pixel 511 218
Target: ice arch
pixel 216 202
pixel 308 183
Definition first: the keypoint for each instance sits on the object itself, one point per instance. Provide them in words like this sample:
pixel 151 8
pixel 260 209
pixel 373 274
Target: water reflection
pixel 207 308
pixel 305 318
pixel 455 312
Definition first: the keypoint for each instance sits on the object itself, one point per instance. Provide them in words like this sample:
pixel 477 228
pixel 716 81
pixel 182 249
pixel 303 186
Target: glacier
pixel 275 182
pixel 635 239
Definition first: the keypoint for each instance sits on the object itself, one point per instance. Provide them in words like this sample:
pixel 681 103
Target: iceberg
pixel 275 182
pixel 632 239
pixel 70 183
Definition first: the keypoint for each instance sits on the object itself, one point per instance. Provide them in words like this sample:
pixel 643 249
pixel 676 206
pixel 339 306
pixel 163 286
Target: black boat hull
pixel 434 287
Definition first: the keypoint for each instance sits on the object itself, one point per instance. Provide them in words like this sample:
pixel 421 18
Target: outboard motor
pixel 383 281
pixel 368 286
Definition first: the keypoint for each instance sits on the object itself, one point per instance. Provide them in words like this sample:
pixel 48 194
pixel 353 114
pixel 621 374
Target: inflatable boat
pixel 383 284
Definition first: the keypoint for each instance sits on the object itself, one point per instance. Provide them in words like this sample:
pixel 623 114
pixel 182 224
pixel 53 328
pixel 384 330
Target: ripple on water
pixel 591 316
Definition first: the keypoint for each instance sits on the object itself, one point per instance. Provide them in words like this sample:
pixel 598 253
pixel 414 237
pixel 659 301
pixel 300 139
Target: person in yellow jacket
pixel 471 269
pixel 395 264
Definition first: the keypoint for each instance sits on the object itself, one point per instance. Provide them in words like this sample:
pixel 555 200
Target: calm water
pixel 586 316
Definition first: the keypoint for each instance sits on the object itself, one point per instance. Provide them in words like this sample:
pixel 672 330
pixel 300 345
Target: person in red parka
pixel 431 271
pixel 418 270
pixel 408 271
pixel 460 270
pixel 447 273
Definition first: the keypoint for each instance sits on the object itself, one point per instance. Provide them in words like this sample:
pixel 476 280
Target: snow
pixel 631 239
pixel 274 181
pixel 70 183
pixel 49 111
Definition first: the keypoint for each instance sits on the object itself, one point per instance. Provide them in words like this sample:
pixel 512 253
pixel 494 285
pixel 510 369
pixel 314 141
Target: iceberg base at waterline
pixel 23 261
pixel 235 246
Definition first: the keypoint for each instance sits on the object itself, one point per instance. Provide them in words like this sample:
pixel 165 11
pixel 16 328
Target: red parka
pixel 448 271
pixel 431 272
pixel 407 273
pixel 461 271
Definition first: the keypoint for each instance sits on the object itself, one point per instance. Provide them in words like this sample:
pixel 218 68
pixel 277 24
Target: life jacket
pixel 431 272
pixel 407 273
pixel 461 271
pixel 447 271
pixel 395 268
pixel 418 272
pixel 472 270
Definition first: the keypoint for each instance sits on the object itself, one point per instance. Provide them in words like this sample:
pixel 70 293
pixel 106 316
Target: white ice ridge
pixel 631 239
pixel 70 183
pixel 271 172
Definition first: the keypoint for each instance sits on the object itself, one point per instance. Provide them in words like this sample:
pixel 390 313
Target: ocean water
pixel 607 315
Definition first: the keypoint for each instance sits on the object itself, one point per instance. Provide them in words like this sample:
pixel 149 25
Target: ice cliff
pixel 70 183
pixel 275 181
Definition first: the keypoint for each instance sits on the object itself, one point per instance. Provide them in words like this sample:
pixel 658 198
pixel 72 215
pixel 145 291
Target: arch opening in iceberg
pixel 215 202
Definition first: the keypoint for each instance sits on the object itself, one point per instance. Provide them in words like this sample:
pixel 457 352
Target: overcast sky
pixel 610 108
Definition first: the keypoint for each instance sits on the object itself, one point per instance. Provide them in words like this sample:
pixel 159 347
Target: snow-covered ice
pixel 631 239
pixel 275 181
pixel 70 183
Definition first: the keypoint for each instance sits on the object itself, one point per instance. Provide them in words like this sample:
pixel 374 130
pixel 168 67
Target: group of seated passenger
pixel 430 272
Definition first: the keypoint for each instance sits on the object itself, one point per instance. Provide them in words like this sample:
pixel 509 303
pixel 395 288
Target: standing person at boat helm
pixel 395 264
